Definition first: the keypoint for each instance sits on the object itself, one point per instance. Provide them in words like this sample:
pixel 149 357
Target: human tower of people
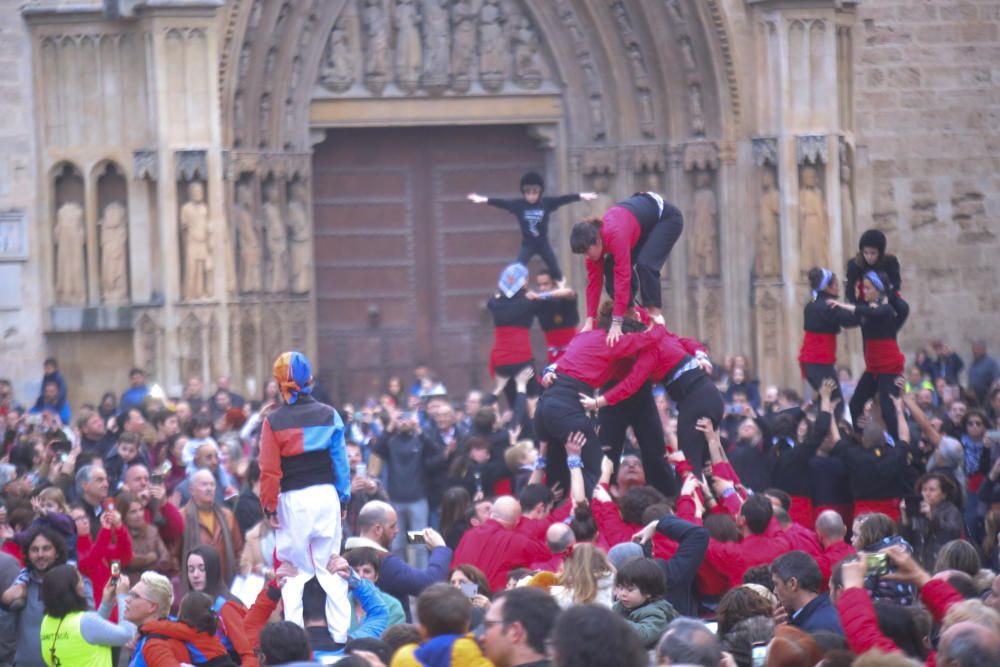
pixel 581 533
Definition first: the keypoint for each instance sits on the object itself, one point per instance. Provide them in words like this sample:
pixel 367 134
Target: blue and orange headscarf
pixel 294 375
pixel 512 279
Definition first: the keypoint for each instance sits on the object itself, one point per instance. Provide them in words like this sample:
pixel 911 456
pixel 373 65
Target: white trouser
pixel 309 535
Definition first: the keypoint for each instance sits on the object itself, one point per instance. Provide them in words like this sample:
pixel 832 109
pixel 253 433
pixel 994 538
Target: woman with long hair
pixel 202 572
pixel 587 578
pixel 939 521
pixel 148 550
pixel 454 521
pixel 73 636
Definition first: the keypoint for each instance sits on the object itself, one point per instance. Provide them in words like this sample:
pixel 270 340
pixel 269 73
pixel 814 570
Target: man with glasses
pixel 517 627
pixel 149 600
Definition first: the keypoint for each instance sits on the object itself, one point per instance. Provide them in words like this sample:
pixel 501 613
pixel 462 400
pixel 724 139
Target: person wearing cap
pixel 513 313
pixel 821 324
pixel 871 257
pixel 881 316
pixel 305 485
pixel 532 212
pixel 625 250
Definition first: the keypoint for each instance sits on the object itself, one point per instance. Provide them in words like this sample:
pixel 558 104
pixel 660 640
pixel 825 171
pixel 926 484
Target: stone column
pixel 804 91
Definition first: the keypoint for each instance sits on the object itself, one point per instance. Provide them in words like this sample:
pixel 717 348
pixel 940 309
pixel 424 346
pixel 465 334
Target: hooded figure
pixel 871 257
pixel 304 483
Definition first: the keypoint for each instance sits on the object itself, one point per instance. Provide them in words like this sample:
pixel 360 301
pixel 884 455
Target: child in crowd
pixel 444 614
pixel 639 587
pixel 520 460
pixel 119 459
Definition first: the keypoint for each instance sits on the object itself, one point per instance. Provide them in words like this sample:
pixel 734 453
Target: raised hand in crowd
pixel 522 378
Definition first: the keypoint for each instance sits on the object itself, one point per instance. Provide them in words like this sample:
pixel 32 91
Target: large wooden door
pixel 404 263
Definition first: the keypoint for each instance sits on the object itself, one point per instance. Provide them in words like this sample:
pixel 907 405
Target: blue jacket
pixel 399 580
pixel 820 614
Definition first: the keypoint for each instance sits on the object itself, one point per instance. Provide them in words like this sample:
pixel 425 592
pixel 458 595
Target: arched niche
pixel 112 234
pixel 69 235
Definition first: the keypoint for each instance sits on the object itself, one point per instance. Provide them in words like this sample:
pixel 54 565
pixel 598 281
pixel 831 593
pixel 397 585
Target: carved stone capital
pixel 545 134
pixel 765 151
pixel 649 158
pixel 599 161
pixel 811 149
pixel 191 165
pixel 145 164
pixel 701 155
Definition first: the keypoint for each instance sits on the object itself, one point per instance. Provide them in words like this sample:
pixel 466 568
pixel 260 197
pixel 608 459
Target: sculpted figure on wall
pixel 277 240
pixel 71 269
pixel 814 231
pixel 377 44
pixel 527 65
pixel 436 42
pixel 463 47
pixel 595 208
pixel 114 254
pixel 846 199
pixel 768 257
pixel 197 242
pixel 492 45
pixel 409 54
pixel 704 259
pixel 249 239
pixel 339 65
pixel 300 247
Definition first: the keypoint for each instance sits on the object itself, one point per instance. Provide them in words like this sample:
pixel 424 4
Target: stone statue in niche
pixel 114 254
pixel 814 232
pixel 409 51
pixel 650 181
pixel 687 54
pixel 248 238
pixel 277 240
pixel 339 66
pixel 293 81
pixel 238 118
pixel 597 117
pixel 640 75
pixel 767 262
pixel 71 269
pixel 437 53
pixel 244 65
pixel 595 208
pixel 493 48
pixel 197 236
pixel 264 118
pixel 464 14
pixel 704 260
pixel 697 109
pixel 846 199
pixel 376 45
pixel 300 248
pixel 675 10
pixel 527 64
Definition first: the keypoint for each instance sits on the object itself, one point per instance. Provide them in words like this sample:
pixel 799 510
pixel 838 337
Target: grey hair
pixel 83 477
pixel 688 641
pixel 967 649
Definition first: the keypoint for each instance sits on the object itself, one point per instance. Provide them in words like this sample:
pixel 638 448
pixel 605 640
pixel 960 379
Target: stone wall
pixel 928 111
pixel 21 348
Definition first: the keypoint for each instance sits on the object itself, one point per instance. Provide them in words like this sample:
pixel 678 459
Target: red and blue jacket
pixel 302 445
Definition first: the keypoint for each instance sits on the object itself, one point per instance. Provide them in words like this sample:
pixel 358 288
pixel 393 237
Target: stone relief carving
pixel 192 357
pixel 277 240
pixel 765 151
pixel 340 65
pixel 814 230
pixel 697 109
pixel 492 45
pixel 464 15
pixel 846 196
pixel 145 164
pixel 437 55
pixel 703 253
pixel 768 316
pixel 409 53
pixel 527 61
pixel 376 25
pixel 114 254
pixel 239 118
pixel 248 239
pixel 601 184
pixel 70 237
pixel 196 235
pixel 767 260
pixel 299 242
pixel 264 118
pixel 248 346
pixel 191 165
pixel 146 345
pixel 812 149
pixel 637 64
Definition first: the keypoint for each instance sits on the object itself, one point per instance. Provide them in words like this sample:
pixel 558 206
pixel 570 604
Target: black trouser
pixel 885 386
pixel 558 414
pixel 696 397
pixel 639 412
pixel 510 389
pixel 648 256
pixel 539 245
pixel 815 374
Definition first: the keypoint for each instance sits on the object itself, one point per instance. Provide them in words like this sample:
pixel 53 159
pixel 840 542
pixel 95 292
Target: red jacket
pixel 832 555
pixel 233 624
pixel 803 539
pixel 95 557
pixel 590 360
pixel 166 644
pixel 733 559
pixel 656 363
pixel 172 529
pixel 857 616
pixel 620 231
pixel 615 531
pixel 497 550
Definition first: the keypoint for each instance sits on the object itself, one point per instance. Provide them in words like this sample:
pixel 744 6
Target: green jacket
pixel 650 620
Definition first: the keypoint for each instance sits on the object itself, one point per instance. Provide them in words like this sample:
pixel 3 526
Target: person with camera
pixel 113 544
pixel 939 520
pixel 71 635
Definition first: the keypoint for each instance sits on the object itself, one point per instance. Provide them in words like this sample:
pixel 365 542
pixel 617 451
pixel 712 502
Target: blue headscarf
pixel 823 283
pixel 294 375
pixel 876 281
pixel 512 279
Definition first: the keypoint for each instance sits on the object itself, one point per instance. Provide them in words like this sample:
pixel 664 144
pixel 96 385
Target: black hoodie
pixel 857 267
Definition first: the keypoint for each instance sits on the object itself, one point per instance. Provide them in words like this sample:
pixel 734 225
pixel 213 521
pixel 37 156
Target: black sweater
pixel 887 264
pixel 533 218
pixel 680 570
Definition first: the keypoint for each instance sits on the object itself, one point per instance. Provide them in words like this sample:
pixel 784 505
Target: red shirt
pixel 497 550
pixel 832 555
pixel 590 360
pixel 803 539
pixel 620 230
pixel 655 363
pixel 733 559
pixel 95 557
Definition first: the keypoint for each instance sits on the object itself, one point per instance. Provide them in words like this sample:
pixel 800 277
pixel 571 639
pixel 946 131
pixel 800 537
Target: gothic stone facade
pixel 163 167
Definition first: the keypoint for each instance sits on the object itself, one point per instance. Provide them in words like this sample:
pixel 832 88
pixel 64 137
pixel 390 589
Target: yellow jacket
pixel 442 651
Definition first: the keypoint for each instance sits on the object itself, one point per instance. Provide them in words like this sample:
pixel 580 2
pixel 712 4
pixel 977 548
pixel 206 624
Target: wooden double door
pixel 404 262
